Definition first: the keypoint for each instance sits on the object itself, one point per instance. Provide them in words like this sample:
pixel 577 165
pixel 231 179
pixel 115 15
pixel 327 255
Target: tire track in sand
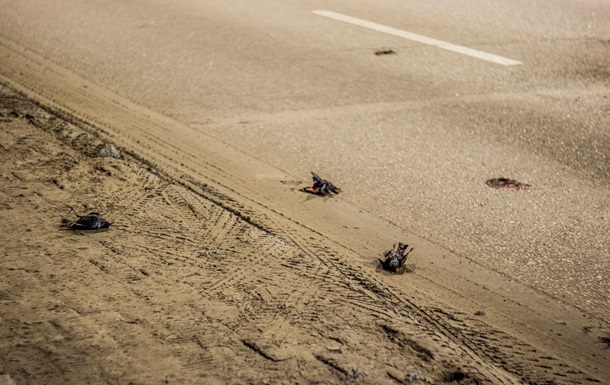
pixel 322 282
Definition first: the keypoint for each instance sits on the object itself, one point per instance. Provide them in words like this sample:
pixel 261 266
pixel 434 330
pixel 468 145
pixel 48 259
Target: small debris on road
pixel 321 186
pixel 479 313
pixel 395 259
pixel 507 184
pixel 385 52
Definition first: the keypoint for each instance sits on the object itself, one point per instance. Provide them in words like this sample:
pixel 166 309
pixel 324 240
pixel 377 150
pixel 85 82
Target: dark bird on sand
pixel 91 221
pixel 395 259
pixel 321 186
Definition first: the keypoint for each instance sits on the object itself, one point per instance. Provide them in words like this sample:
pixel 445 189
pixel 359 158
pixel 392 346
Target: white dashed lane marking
pixel 419 38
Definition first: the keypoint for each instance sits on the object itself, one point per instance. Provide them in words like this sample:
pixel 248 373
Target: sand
pixel 187 288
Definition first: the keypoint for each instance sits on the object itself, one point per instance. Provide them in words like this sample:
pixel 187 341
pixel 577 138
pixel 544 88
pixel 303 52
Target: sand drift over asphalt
pixel 184 288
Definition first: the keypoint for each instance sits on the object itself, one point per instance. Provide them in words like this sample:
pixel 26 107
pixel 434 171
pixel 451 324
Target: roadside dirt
pixel 185 289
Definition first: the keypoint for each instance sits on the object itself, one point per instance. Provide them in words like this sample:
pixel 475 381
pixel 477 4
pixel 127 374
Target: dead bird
pixel 395 259
pixel 321 186
pixel 507 184
pixel 91 221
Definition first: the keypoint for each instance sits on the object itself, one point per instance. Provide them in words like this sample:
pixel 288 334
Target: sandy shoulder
pixel 181 290
pixel 178 290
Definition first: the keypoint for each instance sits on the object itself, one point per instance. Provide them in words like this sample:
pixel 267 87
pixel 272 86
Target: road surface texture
pixel 224 108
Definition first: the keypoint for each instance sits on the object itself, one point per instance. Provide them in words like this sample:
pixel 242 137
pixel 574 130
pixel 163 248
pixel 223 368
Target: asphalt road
pixel 410 136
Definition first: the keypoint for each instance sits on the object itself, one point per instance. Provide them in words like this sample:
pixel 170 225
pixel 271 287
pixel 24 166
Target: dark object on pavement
pixel 385 52
pixel 321 186
pixel 91 221
pixel 395 259
pixel 507 184
pixel 605 340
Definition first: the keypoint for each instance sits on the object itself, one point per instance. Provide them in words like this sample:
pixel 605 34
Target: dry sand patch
pixel 182 290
